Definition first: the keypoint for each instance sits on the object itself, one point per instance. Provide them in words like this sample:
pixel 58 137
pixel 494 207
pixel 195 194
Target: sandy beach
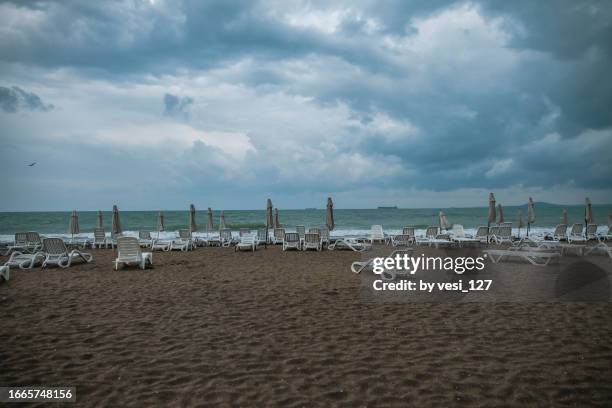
pixel 214 327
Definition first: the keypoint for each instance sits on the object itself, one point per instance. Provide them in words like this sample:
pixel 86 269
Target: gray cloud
pixel 14 99
pixel 175 105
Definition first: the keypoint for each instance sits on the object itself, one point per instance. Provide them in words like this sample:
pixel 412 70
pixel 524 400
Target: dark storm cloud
pixel 14 99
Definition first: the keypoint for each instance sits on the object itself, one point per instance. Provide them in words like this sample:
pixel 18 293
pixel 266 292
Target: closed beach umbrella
pixel 609 220
pixel 99 223
pixel 277 223
pixel 329 218
pixel 269 219
pixel 588 213
pixel 564 217
pixel 209 223
pixel 116 223
pixel 491 217
pixel 443 221
pixel 521 222
pixel 161 225
pixel 530 214
pixel 500 214
pixel 491 208
pixel 73 226
pixel 222 221
pixel 192 218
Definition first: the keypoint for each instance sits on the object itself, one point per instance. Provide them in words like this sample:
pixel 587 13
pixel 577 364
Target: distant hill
pixel 544 204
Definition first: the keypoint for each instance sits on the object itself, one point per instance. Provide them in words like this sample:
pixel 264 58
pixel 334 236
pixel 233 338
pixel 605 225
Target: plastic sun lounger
pixel 247 241
pixel 402 240
pixel 161 245
pixel 349 243
pixel 292 240
pixel 130 253
pixel 56 253
pixel 24 260
pixel 359 266
pixel 312 240
pixel 533 257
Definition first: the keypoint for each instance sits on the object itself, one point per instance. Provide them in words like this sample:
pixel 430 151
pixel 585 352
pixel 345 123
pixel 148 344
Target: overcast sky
pixel 158 104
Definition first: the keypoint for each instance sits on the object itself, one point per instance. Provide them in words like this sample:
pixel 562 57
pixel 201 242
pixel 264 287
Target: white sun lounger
pixel 324 232
pixel 130 253
pixel 20 244
pixel 378 235
pixel 502 234
pixel 349 243
pixel 144 239
pixel 56 253
pixel 226 238
pixel 559 234
pixel 5 272
pixel 184 241
pixel 23 260
pixel 576 234
pixel 279 236
pixel 359 266
pixel 402 240
pixel 247 241
pixel 591 232
pixel 291 240
pixel 312 240
pixel 100 239
pixel 533 257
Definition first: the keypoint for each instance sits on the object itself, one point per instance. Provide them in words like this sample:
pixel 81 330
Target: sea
pixel 347 221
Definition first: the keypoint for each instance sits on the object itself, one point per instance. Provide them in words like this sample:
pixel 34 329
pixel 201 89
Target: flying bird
pixel 32 164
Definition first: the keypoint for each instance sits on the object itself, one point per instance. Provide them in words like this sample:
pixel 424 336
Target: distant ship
pixel 310 208
pixel 388 208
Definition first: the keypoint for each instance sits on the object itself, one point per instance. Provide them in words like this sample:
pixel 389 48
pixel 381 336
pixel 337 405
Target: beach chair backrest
pixel 408 231
pixel 279 233
pixel 377 231
pixel 314 230
pixel 248 239
pixel 128 247
pixel 99 235
pixel 54 246
pixel 591 229
pixel 324 233
pixel 403 238
pixel 312 238
pixel 431 232
pixel 301 230
pixel 144 235
pixel 576 229
pixel 245 231
pixel 184 234
pixel 225 235
pixel 505 231
pixel 33 237
pixel 21 238
pixel 261 234
pixel 292 237
pixel 482 232
pixel 560 230
pixel 494 230
pixel 458 231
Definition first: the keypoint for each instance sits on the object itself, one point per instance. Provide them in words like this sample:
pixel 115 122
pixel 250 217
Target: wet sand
pixel 215 327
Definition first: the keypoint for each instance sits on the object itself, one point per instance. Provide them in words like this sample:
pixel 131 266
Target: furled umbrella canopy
pixel 277 223
pixel 500 214
pixel 192 218
pixel 161 224
pixel 588 211
pixel 444 225
pixel 99 221
pixel 222 221
pixel 269 218
pixel 329 217
pixel 116 222
pixel 73 226
pixel 209 223
pixel 492 217
pixel 530 214
pixel 609 220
